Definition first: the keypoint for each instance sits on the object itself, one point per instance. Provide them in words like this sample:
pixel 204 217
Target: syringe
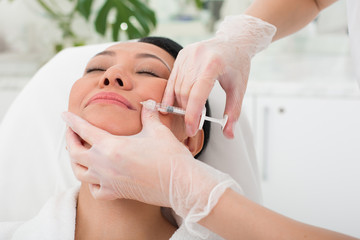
pixel 151 104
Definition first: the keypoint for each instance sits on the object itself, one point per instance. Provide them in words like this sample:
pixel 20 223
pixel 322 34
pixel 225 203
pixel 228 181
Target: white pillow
pixel 34 163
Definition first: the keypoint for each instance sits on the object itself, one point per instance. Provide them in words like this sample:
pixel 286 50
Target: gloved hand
pixel 225 58
pixel 151 167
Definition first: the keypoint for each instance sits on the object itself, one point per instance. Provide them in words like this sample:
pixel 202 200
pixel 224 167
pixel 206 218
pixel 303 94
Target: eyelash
pixel 139 72
pixel 148 72
pixel 94 70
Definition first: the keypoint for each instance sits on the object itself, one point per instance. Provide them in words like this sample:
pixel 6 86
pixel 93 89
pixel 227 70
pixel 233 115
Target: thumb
pixel 83 128
pixel 169 94
pixel 232 109
pixel 149 114
pixel 101 193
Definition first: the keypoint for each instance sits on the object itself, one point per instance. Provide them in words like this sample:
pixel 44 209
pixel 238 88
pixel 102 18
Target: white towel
pixel 56 220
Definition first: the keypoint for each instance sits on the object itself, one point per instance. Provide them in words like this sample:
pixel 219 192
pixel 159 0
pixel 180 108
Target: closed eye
pixel 89 70
pixel 148 73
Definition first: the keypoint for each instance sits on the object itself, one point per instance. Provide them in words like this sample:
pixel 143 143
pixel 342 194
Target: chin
pixel 117 127
pixel 120 124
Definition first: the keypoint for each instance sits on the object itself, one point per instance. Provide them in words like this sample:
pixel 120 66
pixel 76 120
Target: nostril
pixel 106 82
pixel 120 82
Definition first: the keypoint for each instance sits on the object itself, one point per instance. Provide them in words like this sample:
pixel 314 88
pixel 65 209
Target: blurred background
pixel 302 101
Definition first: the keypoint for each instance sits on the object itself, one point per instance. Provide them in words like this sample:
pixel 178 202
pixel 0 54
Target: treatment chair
pixel 34 163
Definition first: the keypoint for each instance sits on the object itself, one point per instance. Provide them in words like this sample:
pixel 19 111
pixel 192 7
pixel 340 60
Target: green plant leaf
pixel 138 17
pixel 199 4
pixel 133 32
pixel 144 10
pixel 101 19
pixel 84 8
pixel 143 22
pixel 116 26
pixel 125 11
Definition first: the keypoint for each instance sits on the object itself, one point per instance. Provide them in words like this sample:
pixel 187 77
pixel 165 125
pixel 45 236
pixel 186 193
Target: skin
pixel 236 217
pixel 143 70
pixel 288 16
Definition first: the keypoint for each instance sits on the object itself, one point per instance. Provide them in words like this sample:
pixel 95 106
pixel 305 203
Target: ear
pixel 195 143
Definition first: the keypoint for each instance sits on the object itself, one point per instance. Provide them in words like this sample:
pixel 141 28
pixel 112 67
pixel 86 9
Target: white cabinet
pixel 309 155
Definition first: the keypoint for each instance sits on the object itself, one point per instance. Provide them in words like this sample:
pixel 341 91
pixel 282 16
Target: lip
pixel 110 98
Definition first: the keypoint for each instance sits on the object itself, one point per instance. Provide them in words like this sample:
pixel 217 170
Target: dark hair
pixel 173 49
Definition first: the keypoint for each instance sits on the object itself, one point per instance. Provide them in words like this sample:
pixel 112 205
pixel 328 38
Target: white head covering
pixel 34 163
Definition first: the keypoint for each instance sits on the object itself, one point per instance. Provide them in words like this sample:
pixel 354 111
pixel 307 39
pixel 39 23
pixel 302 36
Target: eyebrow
pixel 139 55
pixel 106 52
pixel 148 55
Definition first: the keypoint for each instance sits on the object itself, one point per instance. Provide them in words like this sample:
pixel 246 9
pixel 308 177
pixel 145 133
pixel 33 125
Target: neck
pixel 118 219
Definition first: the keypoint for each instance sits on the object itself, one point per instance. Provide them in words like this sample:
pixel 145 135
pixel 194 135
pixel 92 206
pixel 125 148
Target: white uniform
pixel 353 9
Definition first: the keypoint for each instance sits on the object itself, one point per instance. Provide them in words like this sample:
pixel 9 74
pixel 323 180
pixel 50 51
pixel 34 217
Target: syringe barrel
pixel 171 109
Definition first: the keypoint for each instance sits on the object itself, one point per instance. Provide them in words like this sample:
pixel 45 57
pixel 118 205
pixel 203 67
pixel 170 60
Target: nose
pixel 116 77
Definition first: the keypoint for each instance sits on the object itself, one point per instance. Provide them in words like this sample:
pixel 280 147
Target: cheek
pixel 176 124
pixel 152 89
pixel 75 98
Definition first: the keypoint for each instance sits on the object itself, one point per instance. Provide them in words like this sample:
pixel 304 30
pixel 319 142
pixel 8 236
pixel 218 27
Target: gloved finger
pixel 228 131
pixel 197 99
pixel 232 109
pixel 185 89
pixel 73 141
pixel 177 89
pixel 150 118
pixel 75 148
pixel 169 93
pixel 84 129
pixel 83 174
pixel 101 193
pixel 204 75
pixel 176 77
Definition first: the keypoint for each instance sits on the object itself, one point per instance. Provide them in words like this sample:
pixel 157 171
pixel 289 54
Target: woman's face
pixel 114 83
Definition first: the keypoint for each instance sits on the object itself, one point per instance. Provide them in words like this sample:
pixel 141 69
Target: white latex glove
pixel 225 58
pixel 151 167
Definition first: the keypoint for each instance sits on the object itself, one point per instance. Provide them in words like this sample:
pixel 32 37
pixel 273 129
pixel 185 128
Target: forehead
pixel 133 48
